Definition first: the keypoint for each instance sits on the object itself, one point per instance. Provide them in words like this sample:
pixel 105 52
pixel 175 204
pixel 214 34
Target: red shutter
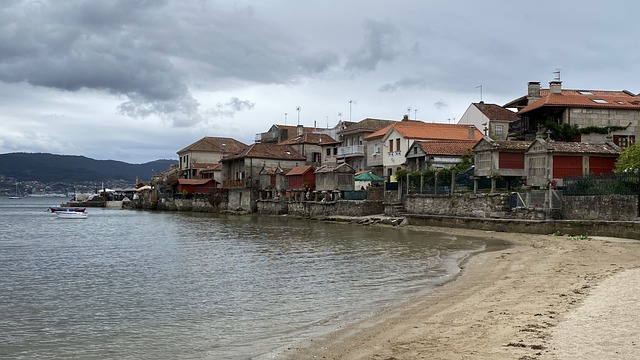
pixel 511 160
pixel 567 166
pixel 601 165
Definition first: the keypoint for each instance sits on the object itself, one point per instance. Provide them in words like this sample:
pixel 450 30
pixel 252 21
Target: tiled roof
pixel 211 168
pixel 300 170
pixel 271 170
pixel 344 168
pixel 511 145
pixel 194 181
pixel 419 130
pixel 604 99
pixel 443 147
pixel 203 165
pixel 580 147
pixel 267 151
pixel 310 138
pixel 367 125
pixel 215 144
pixel 496 112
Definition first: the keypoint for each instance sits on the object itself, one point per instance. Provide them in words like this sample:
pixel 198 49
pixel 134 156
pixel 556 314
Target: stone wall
pixel 311 209
pixel 472 205
pixel 600 207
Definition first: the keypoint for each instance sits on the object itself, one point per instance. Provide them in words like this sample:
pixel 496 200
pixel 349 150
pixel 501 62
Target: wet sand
pixel 546 297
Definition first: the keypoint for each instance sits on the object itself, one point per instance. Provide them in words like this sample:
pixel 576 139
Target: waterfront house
pixel 548 162
pixel 273 178
pixel 437 154
pixel 332 178
pixel 395 140
pixel 302 178
pixel 196 186
pixel 310 145
pixel 241 171
pixel 496 159
pixel 597 113
pixel 281 133
pixel 492 119
pixel 205 153
pixel 354 150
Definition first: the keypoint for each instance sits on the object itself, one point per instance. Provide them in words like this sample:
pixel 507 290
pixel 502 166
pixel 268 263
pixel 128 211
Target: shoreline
pixel 512 303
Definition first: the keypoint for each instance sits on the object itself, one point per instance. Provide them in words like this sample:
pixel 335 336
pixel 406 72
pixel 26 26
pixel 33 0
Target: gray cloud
pixel 441 104
pixel 404 84
pixel 380 44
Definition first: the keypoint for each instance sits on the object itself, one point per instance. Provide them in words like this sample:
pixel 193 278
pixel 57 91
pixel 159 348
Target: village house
pixel 548 162
pixel 395 140
pixel 280 133
pixel 196 186
pixel 495 159
pixel 204 154
pixel 309 144
pixel 437 154
pixel 335 178
pixel 597 113
pixel 493 120
pixel 354 150
pixel 241 171
pixel 302 178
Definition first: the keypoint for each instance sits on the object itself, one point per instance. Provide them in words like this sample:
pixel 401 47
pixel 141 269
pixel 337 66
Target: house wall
pixel 604 117
pixel 373 152
pixel 393 157
pixel 473 116
pixel 239 198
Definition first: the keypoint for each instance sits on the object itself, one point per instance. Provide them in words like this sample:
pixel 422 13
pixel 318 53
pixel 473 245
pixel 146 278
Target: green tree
pixel 629 160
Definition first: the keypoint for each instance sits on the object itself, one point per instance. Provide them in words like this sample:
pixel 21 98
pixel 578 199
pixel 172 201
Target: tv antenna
pixel 556 74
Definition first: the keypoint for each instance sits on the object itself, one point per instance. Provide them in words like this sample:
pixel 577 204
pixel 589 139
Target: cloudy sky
pixel 137 80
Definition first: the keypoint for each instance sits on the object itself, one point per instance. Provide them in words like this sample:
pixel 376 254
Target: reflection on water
pixel 131 284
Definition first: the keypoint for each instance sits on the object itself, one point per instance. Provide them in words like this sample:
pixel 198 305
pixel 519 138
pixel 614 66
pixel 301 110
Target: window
pixel 335 151
pixel 499 130
pixel 599 101
pixel 376 149
pixel 391 145
pixel 397 144
pixel 624 141
pixel 328 151
pixel 585 92
pixel 415 150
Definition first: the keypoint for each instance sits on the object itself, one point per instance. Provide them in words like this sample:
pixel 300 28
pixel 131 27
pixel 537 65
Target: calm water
pixel 156 285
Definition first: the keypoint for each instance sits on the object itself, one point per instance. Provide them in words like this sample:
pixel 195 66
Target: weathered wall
pixel 472 205
pixel 600 207
pixel 321 209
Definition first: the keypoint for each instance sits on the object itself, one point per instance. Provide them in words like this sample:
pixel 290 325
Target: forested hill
pixel 49 168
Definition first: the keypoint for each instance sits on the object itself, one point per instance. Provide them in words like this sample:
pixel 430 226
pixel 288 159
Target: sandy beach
pixel 546 297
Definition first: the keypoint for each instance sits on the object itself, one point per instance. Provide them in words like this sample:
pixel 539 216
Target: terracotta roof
pixel 194 181
pixel 204 165
pixel 344 168
pixel 310 138
pixel 580 147
pixel 215 144
pixel 300 170
pixel 419 130
pixel 367 125
pixel 438 147
pixel 496 112
pixel 212 168
pixel 267 151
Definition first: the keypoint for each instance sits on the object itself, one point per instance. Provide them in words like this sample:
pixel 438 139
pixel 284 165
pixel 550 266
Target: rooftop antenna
pixel 415 114
pixel 350 102
pixel 408 111
pixel 480 86
pixel 327 121
pixel 339 116
pixel 285 118
pixel 556 74
pixel 298 110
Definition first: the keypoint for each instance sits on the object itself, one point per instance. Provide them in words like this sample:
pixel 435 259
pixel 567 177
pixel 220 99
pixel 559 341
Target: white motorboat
pixel 72 215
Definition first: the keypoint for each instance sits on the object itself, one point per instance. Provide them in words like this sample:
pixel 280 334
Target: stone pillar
pixel 493 185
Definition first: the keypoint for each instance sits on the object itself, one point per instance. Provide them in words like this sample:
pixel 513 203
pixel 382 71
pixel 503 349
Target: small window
pixel 415 150
pixel 335 151
pixel 397 144
pixel 585 92
pixel 391 145
pixel 499 130
pixel 599 101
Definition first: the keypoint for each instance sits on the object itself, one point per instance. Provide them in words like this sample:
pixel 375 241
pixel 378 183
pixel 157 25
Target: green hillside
pixel 48 168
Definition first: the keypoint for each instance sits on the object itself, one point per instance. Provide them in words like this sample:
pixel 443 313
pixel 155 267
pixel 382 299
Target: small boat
pixel 57 209
pixel 72 215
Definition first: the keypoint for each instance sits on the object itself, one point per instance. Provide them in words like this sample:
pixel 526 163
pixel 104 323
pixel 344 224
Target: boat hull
pixel 71 215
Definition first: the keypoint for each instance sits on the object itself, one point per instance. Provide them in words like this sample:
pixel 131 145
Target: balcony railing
pixel 353 150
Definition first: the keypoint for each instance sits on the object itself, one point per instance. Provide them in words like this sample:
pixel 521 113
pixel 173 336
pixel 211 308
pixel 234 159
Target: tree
pixel 629 160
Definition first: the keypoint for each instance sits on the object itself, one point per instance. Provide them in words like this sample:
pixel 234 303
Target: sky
pixel 138 80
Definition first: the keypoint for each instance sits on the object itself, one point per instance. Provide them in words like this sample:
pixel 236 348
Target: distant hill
pixel 49 168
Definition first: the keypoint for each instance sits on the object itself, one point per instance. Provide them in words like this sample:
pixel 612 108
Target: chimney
pixel 481 105
pixel 533 91
pixel 406 117
pixel 472 132
pixel 299 130
pixel 555 87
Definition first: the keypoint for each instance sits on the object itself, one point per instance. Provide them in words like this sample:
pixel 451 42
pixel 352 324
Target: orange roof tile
pixel 496 112
pixel 194 181
pixel 301 170
pixel 419 130
pixel 310 138
pixel 215 144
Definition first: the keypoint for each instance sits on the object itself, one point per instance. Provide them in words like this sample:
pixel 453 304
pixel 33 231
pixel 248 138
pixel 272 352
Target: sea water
pixel 126 284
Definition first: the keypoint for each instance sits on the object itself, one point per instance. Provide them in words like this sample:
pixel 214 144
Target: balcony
pixel 350 151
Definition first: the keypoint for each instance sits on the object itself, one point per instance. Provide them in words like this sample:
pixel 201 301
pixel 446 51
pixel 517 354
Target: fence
pixel 604 184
